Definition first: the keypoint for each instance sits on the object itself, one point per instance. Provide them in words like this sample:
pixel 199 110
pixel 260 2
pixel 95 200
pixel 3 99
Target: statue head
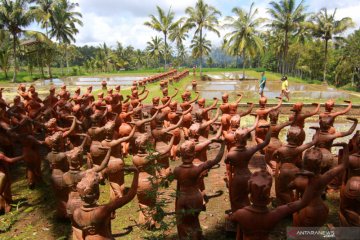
pixel 274 116
pixel 241 136
pixel 199 115
pixel 293 135
pixel 187 151
pixel 225 98
pixel 77 90
pixel 173 106
pixel 156 101
pixel 201 102
pixel 109 129
pixel 141 141
pixel 329 105
pixel 259 186
pixel 125 107
pixel 75 158
pixel 194 131
pixel 235 121
pixel 297 107
pixel 165 92
pixel 262 101
pixel 117 88
pixel 100 95
pixel 88 187
pixel 135 93
pixel 312 160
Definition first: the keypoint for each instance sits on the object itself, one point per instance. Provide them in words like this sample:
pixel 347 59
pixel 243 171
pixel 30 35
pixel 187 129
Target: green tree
pixel 202 17
pixel 155 48
pixel 164 23
pixel 64 23
pixel 5 52
pixel 286 18
pixel 43 13
pixel 200 47
pixel 244 37
pixel 14 16
pixel 326 27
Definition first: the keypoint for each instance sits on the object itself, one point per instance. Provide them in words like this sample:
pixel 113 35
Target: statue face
pixel 225 98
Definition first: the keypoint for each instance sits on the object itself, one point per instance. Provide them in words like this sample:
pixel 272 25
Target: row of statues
pixel 88 141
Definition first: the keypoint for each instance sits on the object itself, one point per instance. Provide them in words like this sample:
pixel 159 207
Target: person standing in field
pixel 262 84
pixel 284 88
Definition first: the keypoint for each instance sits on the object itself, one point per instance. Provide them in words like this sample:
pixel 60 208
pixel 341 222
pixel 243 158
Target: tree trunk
pixel 165 56
pixel 325 61
pixel 201 53
pixel 243 76
pixel 49 69
pixel 285 53
pixel 66 59
pixel 14 55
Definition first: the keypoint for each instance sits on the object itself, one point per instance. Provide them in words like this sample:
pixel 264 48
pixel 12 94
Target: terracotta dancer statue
pixel 228 110
pixel 59 165
pixel 300 117
pixel 185 105
pixel 329 106
pixel 161 138
pixel 93 221
pixel 201 104
pixel 326 139
pixel 263 220
pixel 315 214
pixel 72 177
pixel 288 158
pixel 350 191
pixel 275 142
pixel 189 201
pixel 204 125
pixel 148 181
pixel 5 182
pixel 238 159
pixel 263 112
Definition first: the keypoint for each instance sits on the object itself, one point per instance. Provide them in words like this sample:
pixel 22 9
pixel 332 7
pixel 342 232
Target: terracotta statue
pixel 189 200
pixel 228 110
pixel 161 139
pixel 329 106
pixel 350 191
pixel 5 182
pixel 59 165
pixel 185 105
pixel 148 180
pixel 288 158
pixel 263 112
pixel 326 139
pixel 300 117
pixel 194 84
pixel 204 125
pixel 316 212
pixel 72 177
pixel 93 221
pixel 275 142
pixel 238 159
pixel 256 221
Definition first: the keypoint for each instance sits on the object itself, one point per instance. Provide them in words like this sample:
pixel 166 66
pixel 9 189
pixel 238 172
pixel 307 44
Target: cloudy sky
pixel 123 20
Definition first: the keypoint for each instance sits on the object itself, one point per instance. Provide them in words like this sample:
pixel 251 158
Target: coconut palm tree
pixel 64 23
pixel 202 17
pixel 286 18
pixel 326 27
pixel 43 13
pixel 155 48
pixel 244 36
pixel 5 52
pixel 14 16
pixel 200 47
pixel 164 23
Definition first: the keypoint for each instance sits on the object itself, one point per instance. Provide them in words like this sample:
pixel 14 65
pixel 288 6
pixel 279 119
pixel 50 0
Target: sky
pixel 112 21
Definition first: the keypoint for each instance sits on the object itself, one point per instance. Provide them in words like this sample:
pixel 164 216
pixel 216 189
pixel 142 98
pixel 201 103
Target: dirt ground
pixel 33 214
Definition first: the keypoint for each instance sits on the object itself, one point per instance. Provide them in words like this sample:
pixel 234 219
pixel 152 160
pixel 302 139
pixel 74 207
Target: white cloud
pixel 123 20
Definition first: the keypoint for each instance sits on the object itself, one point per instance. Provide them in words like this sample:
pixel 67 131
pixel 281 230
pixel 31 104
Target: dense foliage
pixel 273 44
